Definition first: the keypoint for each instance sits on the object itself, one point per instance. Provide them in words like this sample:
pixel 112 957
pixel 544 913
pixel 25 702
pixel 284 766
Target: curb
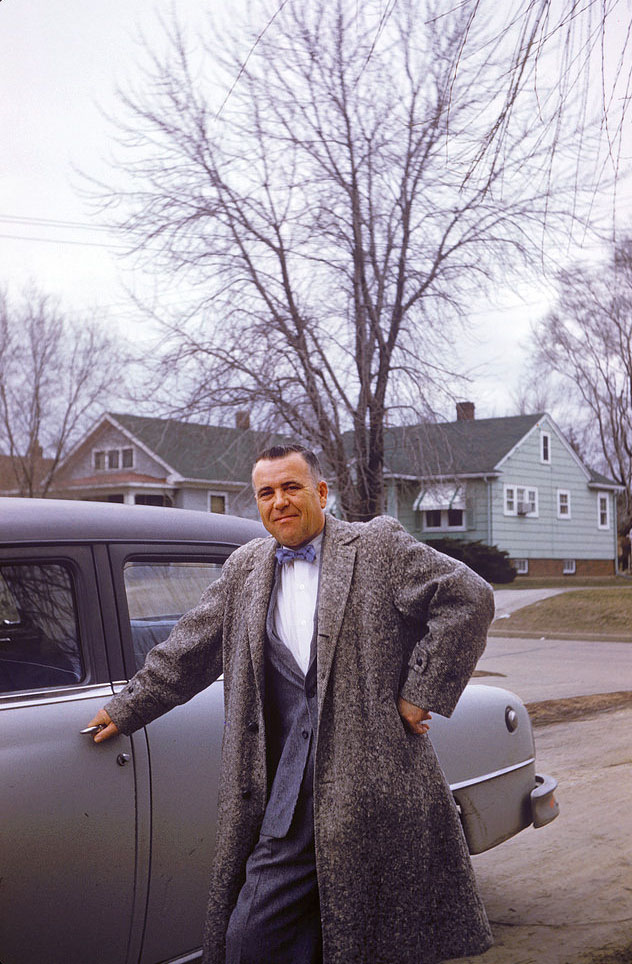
pixel 580 637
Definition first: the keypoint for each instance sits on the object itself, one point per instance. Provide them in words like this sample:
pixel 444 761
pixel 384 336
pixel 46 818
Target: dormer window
pixel 111 460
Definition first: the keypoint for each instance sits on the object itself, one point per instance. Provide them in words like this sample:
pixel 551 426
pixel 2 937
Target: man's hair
pixel 281 451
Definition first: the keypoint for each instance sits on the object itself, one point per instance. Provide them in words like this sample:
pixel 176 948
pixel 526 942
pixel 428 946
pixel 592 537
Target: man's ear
pixel 322 491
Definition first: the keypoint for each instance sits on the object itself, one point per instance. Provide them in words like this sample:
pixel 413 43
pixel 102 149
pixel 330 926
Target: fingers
pixel 108 728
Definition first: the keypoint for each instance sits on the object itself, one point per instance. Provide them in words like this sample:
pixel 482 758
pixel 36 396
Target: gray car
pixel 105 851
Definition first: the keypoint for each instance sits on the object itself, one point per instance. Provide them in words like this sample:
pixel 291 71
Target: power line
pixel 93 244
pixel 53 222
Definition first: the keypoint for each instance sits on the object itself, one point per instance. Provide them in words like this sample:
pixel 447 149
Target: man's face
pixel 291 504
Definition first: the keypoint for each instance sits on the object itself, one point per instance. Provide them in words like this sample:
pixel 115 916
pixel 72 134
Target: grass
pixel 566 582
pixel 570 708
pixel 594 611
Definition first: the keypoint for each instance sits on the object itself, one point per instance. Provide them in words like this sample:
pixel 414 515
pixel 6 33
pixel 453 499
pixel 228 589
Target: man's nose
pixel 280 498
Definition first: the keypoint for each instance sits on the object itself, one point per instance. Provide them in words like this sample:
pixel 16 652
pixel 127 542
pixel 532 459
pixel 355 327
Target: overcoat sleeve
pixel 450 608
pixel 189 660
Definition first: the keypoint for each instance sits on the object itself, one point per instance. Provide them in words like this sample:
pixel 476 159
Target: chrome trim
pixel 186 958
pixel 10 701
pixel 490 776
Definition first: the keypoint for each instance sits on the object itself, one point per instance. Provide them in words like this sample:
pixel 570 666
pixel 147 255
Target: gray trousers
pixel 276 919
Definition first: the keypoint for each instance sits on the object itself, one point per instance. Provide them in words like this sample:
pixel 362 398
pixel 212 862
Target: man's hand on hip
pixel 413 716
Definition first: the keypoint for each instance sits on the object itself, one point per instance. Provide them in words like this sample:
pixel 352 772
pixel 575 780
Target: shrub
pixel 490 562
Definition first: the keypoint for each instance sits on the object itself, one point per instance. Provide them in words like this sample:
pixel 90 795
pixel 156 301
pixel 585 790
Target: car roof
pixel 28 521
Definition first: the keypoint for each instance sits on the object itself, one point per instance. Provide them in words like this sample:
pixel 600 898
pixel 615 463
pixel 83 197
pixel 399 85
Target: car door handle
pixel 91 730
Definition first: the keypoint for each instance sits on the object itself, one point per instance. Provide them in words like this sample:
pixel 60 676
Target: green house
pixel 512 482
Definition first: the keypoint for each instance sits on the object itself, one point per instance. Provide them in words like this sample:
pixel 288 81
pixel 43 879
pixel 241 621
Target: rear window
pixel 158 593
pixel 39 636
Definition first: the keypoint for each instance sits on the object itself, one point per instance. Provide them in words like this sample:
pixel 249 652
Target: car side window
pixel 158 593
pixel 39 635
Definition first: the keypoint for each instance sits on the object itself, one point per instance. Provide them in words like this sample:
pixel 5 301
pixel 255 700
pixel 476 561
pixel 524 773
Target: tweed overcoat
pixel 394 618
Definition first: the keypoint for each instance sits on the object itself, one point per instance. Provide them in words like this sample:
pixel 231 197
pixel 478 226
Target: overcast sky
pixel 60 62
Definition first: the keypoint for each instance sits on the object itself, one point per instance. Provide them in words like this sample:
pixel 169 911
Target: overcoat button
pixel 311 692
pixel 305 734
pixel 246 794
pixel 253 726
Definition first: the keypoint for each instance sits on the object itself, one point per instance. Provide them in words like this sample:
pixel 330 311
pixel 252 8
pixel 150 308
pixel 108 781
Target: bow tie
pixel 283 554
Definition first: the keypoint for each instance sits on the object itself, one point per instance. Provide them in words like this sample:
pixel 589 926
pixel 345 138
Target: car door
pixel 67 808
pixel 153 588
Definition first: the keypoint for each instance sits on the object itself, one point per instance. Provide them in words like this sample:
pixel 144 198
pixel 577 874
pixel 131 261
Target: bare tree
pixel 55 375
pixel 332 215
pixel 587 343
pixel 586 45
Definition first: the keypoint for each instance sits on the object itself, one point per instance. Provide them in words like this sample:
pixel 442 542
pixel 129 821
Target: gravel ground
pixel 563 894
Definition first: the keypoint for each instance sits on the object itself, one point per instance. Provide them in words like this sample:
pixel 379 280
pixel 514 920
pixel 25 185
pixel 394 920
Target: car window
pixel 39 636
pixel 158 593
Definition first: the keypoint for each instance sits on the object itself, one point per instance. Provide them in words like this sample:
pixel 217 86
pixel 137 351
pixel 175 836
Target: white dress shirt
pixel 296 604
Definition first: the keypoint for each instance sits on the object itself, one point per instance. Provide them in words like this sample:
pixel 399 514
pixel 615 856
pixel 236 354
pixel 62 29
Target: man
pixel 338 838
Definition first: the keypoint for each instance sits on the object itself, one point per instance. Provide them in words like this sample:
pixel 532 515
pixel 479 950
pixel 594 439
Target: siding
pixel 547 537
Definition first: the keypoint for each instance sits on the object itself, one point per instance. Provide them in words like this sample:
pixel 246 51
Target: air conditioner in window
pixel 524 508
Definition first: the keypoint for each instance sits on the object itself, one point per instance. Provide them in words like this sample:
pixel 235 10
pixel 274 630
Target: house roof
pixel 467 447
pixel 196 451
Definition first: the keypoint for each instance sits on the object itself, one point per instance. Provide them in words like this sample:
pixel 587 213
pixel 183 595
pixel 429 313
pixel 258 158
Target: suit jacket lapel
pixel 338 560
pixel 258 586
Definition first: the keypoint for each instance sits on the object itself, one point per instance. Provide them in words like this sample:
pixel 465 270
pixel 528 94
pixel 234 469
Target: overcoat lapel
pixel 258 587
pixel 338 560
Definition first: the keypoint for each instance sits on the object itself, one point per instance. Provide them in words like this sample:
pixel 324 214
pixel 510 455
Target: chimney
pixel 35 450
pixel 465 411
pixel 242 418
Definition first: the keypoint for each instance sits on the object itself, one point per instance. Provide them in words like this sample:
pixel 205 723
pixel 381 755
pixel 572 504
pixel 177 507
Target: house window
pixel 520 500
pixel 545 448
pixel 455 518
pixel 444 519
pixel 603 503
pixel 113 459
pixel 521 566
pixel 216 503
pixel 153 500
pixel 563 504
pixel 433 519
pixel 569 568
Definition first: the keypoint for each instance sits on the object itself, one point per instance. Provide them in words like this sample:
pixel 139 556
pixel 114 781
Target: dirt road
pixel 563 894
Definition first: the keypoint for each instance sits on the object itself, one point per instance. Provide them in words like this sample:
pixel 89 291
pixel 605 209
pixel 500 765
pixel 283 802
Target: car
pixel 105 850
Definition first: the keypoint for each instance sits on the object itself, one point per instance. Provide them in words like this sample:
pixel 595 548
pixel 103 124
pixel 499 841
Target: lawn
pixel 593 611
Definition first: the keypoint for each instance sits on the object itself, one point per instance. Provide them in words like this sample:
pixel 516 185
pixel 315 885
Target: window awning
pixel 435 497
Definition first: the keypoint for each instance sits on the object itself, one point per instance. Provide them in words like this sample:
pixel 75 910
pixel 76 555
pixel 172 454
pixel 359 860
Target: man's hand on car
pixel 108 728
